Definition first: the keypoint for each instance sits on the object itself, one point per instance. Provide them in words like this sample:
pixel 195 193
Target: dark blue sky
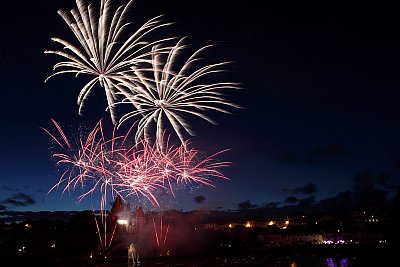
pixel 320 99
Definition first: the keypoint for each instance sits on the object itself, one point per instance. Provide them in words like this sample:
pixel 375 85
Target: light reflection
pixel 342 262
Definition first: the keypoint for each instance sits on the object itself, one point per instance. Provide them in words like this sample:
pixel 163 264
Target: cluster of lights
pixel 249 224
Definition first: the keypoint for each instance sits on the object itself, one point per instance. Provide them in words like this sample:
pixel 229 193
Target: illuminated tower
pixel 121 214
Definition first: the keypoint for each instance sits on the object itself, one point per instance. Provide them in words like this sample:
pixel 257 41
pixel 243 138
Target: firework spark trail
pixel 112 165
pixel 102 53
pixel 156 234
pixel 165 95
pixel 160 235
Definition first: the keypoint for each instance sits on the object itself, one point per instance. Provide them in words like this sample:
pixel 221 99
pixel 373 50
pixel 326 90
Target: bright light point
pixel 159 103
pixel 271 223
pixel 248 224
pixel 122 222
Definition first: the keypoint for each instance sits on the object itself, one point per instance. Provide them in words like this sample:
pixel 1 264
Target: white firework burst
pixel 103 51
pixel 164 93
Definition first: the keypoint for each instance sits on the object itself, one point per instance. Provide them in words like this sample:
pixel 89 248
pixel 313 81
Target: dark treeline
pixel 74 235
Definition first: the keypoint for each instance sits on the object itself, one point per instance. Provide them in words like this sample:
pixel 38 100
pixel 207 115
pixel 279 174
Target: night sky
pixel 320 99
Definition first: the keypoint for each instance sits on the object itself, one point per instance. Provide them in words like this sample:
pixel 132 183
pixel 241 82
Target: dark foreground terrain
pixel 293 256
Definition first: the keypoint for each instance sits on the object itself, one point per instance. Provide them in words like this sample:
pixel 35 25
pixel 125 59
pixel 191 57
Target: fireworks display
pixel 164 90
pixel 102 52
pixel 113 166
pixel 167 93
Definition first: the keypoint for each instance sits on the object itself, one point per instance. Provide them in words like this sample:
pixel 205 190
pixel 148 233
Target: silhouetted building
pixel 140 219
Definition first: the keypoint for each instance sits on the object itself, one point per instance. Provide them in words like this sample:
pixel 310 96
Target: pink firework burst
pixel 117 166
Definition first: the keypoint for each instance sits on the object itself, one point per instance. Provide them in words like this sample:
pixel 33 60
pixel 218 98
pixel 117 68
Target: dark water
pixel 374 261
pixel 366 258
pixel 335 261
pixel 314 262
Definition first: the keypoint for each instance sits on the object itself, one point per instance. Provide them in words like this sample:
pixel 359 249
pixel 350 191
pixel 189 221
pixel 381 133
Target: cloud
pixel 308 189
pixel 271 205
pixel 384 179
pixel 342 201
pixel 369 178
pixel 7 188
pixel 303 205
pixel 19 200
pixel 364 179
pixel 246 205
pixel 306 202
pixel 199 199
pixel 387 180
pixel 2 208
pixel 368 190
pixel 291 200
